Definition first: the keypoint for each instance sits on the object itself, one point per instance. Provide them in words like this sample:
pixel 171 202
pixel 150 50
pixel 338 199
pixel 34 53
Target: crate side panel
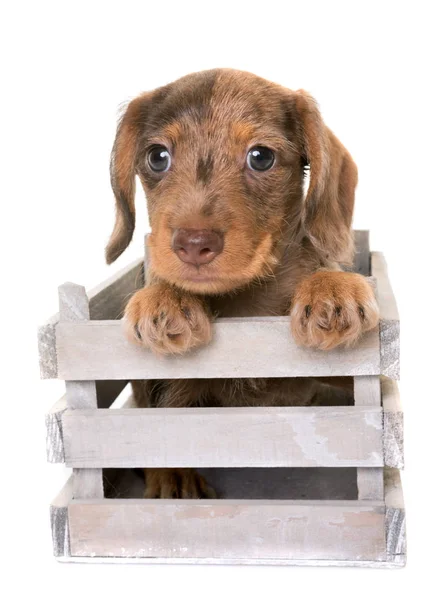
pixel 254 530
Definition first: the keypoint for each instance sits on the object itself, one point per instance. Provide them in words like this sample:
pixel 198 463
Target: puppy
pixel 223 157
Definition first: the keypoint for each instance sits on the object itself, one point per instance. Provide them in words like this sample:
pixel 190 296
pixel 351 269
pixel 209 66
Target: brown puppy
pixel 222 156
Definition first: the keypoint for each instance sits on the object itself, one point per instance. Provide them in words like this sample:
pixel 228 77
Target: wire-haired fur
pixel 283 246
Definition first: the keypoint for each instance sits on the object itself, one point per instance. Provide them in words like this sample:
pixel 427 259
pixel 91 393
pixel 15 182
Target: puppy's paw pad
pixel 333 308
pixel 166 321
pixel 177 483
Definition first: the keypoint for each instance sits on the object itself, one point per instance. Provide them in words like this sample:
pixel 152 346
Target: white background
pixel 376 70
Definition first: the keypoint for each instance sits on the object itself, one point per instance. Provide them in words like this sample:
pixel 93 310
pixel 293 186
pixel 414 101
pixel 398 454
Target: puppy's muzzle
pixel 197 246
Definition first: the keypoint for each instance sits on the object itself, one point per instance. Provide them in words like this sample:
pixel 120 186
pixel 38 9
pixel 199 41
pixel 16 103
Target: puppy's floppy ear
pixel 328 206
pixel 122 173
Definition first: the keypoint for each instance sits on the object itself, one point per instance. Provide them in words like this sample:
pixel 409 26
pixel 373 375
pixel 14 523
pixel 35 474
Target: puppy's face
pixel 221 157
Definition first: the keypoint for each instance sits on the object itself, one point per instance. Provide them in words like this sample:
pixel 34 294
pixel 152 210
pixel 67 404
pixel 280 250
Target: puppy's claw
pixel 333 308
pixel 156 318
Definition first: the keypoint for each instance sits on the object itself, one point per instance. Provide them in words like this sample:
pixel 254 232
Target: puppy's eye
pixel 260 158
pixel 159 159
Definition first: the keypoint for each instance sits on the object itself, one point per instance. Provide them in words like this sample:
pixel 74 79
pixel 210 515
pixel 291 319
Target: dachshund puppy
pixel 223 158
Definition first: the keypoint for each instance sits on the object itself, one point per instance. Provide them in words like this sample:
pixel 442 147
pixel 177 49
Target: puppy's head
pixel 221 156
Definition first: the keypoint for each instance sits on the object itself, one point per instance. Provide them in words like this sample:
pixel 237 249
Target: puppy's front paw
pixel 331 308
pixel 167 320
pixel 176 483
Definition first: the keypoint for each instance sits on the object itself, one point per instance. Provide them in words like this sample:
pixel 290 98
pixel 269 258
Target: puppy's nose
pixel 197 246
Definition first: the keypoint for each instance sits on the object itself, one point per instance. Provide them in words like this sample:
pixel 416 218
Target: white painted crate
pixel 322 485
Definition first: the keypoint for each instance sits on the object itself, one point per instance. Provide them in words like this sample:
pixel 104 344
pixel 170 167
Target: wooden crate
pixel 304 485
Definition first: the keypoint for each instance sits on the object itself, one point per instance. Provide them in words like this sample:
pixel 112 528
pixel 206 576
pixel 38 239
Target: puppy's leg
pixel 167 320
pixel 332 308
pixel 176 483
pixel 173 483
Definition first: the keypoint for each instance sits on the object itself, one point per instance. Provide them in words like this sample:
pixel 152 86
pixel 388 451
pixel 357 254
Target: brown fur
pixel 282 249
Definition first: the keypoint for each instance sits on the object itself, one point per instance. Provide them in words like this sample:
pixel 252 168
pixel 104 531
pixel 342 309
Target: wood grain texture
pixel 46 343
pixel 224 437
pixel 228 529
pixel 389 324
pixel 81 394
pixel 395 517
pixel 59 520
pixel 395 563
pixel 106 301
pixel 99 350
pixel 54 434
pixel 393 424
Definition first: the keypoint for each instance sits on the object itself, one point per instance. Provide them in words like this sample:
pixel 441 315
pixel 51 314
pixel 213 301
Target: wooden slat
pixel 54 434
pixel 243 419
pixel 367 392
pixel 46 342
pixel 389 324
pixel 73 307
pixel 88 483
pixel 99 350
pixel 224 437
pixel 395 517
pixel 59 520
pixel 81 394
pixel 393 424
pixel 293 562
pixel 350 530
pixel 370 483
pixel 106 301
